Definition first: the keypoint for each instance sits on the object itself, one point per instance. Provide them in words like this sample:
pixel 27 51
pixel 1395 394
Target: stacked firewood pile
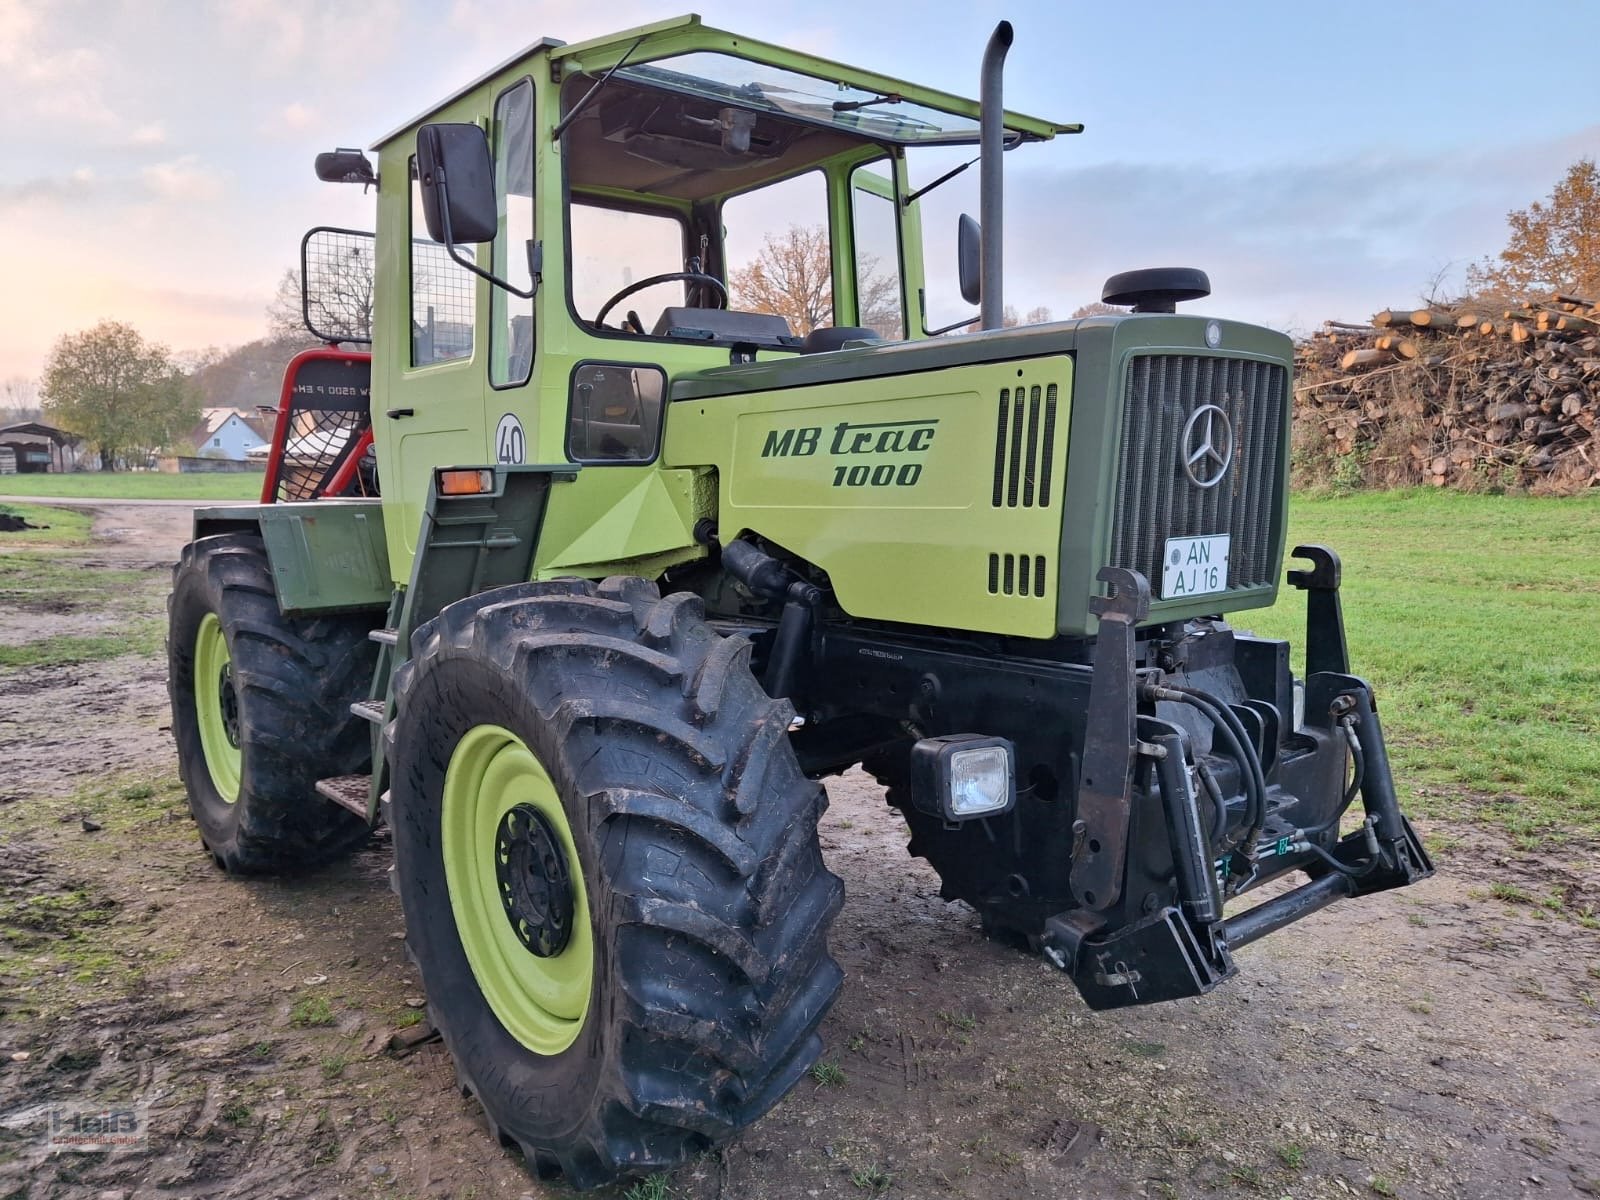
pixel 1474 396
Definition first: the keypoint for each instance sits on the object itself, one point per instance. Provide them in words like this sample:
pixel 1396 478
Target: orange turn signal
pixel 465 483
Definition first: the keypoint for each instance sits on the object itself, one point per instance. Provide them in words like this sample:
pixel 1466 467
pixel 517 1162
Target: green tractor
pixel 584 575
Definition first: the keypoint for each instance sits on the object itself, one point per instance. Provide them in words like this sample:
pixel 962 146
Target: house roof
pixel 213 419
pixel 37 429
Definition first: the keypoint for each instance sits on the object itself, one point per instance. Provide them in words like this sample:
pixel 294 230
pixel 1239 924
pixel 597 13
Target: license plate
pixel 1194 566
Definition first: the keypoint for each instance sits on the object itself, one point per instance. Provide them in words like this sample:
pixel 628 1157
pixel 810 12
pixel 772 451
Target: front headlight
pixel 962 776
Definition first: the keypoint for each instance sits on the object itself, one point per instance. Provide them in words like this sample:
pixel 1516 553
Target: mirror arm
pixel 953 325
pixel 460 259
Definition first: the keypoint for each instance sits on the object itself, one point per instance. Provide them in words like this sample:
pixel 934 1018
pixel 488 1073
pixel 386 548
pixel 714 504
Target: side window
pixel 877 238
pixel 941 210
pixel 511 317
pixel 443 294
pixel 778 252
pixel 616 413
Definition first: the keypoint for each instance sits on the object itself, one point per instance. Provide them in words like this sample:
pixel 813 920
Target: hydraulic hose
pixel 1358 772
pixel 1219 807
pixel 1232 731
pixel 1374 857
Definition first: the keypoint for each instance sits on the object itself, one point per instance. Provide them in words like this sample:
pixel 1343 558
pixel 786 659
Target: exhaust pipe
pixel 991 185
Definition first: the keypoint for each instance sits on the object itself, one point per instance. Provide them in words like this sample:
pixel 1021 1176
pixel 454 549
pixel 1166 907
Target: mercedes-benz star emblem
pixel 1207 446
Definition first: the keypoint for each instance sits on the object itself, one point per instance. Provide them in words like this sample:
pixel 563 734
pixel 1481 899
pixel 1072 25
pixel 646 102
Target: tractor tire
pixel 609 865
pixel 261 711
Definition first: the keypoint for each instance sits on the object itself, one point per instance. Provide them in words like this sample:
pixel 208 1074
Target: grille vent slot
pixel 1017 574
pixel 1155 499
pixel 1024 447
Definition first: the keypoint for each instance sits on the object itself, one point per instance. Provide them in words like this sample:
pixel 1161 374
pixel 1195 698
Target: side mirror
pixel 457 177
pixel 969 259
pixel 345 166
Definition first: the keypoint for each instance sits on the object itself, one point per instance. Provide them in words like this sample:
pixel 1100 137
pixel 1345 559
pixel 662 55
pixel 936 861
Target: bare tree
pixel 1095 308
pixel 792 276
pixel 339 292
pixel 19 399
pixel 878 298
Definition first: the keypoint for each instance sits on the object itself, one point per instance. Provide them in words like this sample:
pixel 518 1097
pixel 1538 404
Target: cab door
pixel 432 367
pixel 509 412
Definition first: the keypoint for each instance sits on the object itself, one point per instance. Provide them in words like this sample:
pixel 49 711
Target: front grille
pixel 1024 447
pixel 1156 500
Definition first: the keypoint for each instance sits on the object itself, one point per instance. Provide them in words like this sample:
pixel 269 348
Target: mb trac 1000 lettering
pixel 654 498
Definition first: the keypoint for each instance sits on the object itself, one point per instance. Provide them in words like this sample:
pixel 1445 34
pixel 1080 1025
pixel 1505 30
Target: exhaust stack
pixel 991 184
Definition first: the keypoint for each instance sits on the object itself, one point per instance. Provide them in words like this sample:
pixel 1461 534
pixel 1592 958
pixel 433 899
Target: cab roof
pixel 685 56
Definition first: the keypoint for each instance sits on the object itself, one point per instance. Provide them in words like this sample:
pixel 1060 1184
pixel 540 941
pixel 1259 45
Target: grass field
pixel 58 526
pixel 1477 619
pixel 144 485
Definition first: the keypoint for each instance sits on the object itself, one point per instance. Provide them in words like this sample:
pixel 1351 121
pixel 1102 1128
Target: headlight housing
pixel 963 776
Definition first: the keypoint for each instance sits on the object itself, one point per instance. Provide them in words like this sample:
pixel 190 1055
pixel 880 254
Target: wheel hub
pixel 216 708
pixel 534 882
pixel 228 701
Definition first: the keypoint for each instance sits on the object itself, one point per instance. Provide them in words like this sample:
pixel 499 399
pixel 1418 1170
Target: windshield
pixel 738 81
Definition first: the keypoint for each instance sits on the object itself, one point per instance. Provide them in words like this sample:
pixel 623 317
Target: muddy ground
pixel 1443 1041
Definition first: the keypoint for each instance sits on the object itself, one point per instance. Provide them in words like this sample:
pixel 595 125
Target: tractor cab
pixel 566 237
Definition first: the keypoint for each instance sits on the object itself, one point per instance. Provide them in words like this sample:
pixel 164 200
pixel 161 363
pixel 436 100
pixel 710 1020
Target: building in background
pixel 30 447
pixel 229 432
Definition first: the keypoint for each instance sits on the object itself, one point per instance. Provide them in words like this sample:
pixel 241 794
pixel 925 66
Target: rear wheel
pixel 610 871
pixel 261 710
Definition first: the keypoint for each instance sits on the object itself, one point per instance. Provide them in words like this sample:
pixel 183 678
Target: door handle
pixel 394 414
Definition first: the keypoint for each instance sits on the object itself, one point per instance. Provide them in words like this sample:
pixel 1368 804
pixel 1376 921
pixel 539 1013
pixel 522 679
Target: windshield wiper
pixel 855 105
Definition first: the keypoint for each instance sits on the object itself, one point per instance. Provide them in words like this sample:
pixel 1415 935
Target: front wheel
pixel 609 865
pixel 261 710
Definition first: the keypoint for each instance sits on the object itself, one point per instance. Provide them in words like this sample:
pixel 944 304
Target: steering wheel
pixel 699 277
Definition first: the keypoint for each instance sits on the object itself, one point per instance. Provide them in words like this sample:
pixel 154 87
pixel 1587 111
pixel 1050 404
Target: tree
pixel 123 395
pixel 1096 308
pixel 19 400
pixel 1554 244
pixel 341 290
pixel 792 276
pixel 1038 315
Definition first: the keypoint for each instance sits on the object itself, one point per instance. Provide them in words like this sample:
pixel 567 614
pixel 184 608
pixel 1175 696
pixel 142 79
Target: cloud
pixel 182 179
pixel 50 191
pixel 290 120
pixel 1339 238
pixel 152 134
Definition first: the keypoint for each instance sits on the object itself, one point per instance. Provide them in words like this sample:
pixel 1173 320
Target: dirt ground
pixel 1442 1041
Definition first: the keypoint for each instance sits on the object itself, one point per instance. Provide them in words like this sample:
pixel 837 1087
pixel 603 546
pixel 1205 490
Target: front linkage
pixel 1185 949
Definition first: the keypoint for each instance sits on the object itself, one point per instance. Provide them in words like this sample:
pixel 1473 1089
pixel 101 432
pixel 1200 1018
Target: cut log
pixel 1361 358
pixel 1428 318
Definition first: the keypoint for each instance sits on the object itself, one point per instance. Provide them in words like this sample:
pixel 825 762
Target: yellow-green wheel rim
pixel 540 1001
pixel 216 707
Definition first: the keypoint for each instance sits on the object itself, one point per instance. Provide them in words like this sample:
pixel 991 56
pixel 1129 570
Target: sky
pixel 1316 160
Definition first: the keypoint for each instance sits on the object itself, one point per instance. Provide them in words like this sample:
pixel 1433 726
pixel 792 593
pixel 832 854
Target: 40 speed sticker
pixel 510 444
